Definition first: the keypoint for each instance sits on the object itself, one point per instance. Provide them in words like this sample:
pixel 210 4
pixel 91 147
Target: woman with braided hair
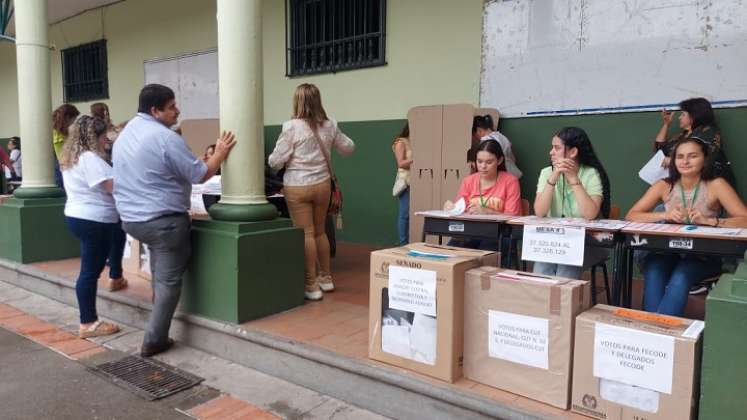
pixel 90 213
pixel 575 185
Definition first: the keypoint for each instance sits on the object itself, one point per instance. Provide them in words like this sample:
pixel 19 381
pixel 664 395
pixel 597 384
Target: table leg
pixel 510 249
pixel 618 272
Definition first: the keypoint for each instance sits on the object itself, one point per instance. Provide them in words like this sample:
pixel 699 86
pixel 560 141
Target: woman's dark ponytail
pixel 577 137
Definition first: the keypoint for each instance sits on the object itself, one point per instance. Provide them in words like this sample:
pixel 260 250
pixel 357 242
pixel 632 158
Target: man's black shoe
pixel 149 350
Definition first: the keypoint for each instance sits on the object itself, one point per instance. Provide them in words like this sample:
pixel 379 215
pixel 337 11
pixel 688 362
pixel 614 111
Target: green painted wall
pixel 366 177
pixel 622 141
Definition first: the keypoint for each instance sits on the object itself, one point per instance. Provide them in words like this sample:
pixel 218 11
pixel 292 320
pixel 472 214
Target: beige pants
pixel 307 206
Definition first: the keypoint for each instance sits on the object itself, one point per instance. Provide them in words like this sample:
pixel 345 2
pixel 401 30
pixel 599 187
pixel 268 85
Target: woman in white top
pixel 306 183
pixel 89 213
pixel 482 128
pixel 13 172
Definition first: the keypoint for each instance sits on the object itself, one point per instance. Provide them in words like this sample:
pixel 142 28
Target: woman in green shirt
pixel 62 118
pixel 575 185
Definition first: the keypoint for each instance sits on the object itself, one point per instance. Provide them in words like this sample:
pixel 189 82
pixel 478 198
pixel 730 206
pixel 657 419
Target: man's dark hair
pixel 154 95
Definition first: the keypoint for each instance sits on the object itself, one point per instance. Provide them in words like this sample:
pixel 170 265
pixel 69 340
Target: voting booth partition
pixel 440 136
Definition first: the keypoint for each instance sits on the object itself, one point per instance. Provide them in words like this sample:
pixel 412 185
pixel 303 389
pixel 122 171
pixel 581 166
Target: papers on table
pixel 212 186
pixel 710 230
pixel 652 170
pixel 601 224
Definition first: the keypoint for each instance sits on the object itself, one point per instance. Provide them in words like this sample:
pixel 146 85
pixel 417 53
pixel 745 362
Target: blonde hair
pixel 83 136
pixel 307 105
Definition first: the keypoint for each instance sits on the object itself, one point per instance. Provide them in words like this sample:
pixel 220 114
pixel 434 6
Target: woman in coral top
pixel 491 190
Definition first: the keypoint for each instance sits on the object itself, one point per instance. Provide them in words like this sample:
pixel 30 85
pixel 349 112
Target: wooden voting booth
pixel 440 136
pixel 199 134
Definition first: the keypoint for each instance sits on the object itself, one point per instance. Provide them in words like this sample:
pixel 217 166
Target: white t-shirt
pixel 15 156
pixel 86 197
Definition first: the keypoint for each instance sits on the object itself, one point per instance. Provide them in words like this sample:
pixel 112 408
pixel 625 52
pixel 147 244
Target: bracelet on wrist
pixel 574 184
pixel 550 183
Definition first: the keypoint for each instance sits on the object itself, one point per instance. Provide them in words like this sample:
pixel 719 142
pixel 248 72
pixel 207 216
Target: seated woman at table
pixel 575 185
pixel 692 194
pixel 491 190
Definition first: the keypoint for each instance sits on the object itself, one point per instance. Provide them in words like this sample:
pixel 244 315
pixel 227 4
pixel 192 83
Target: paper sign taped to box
pixel 634 357
pixel 629 395
pixel 554 244
pixel 518 338
pixel 412 290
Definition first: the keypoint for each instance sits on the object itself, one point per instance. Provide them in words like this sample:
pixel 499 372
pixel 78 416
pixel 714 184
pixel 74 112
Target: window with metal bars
pixel 85 73
pixel 324 36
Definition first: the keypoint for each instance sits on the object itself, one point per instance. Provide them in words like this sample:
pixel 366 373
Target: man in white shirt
pixel 153 175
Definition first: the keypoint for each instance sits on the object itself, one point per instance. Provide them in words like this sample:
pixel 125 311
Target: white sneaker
pixel 313 294
pixel 325 283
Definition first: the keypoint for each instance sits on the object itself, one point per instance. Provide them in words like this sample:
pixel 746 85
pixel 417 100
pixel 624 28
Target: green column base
pixel 724 371
pixel 34 230
pixel 244 271
pixel 38 192
pixel 243 212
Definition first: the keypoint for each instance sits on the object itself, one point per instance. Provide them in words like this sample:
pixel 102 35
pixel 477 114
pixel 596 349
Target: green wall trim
pixel 623 142
pixel 244 271
pixel 34 230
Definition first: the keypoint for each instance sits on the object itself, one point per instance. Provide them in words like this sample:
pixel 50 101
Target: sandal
pixel 117 284
pixel 98 329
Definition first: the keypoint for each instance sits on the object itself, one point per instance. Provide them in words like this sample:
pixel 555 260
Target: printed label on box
pixel 412 290
pixel 634 357
pixel 629 395
pixel 456 227
pixel 518 338
pixel 681 243
pixel 408 335
pixel 128 247
pixel 144 258
pixel 554 244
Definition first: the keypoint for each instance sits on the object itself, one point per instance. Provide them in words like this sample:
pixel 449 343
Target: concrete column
pixel 241 102
pixel 34 100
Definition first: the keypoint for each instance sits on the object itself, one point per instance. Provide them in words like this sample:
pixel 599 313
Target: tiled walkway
pixel 340 322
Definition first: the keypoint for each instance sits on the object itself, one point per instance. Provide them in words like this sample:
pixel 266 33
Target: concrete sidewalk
pixel 240 384
pixel 38 383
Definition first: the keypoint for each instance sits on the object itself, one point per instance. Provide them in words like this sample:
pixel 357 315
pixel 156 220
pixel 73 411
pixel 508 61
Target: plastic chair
pixel 614 214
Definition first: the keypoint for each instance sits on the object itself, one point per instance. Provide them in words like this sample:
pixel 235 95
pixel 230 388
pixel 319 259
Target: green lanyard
pixel 692 200
pixel 484 202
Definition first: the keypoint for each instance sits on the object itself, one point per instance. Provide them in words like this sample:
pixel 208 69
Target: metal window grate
pixel 148 378
pixel 331 35
pixel 85 73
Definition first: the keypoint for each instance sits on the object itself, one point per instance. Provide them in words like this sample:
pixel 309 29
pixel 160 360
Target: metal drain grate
pixel 148 378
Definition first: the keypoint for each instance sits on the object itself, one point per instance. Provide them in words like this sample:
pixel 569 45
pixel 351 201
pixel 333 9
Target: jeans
pixel 592 255
pixel 95 242
pixel 168 238
pixel 116 251
pixel 668 277
pixel 403 219
pixel 58 175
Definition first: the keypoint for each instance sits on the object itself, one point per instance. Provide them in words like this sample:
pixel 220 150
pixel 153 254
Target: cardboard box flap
pixel 679 328
pixel 492 274
pixel 436 254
